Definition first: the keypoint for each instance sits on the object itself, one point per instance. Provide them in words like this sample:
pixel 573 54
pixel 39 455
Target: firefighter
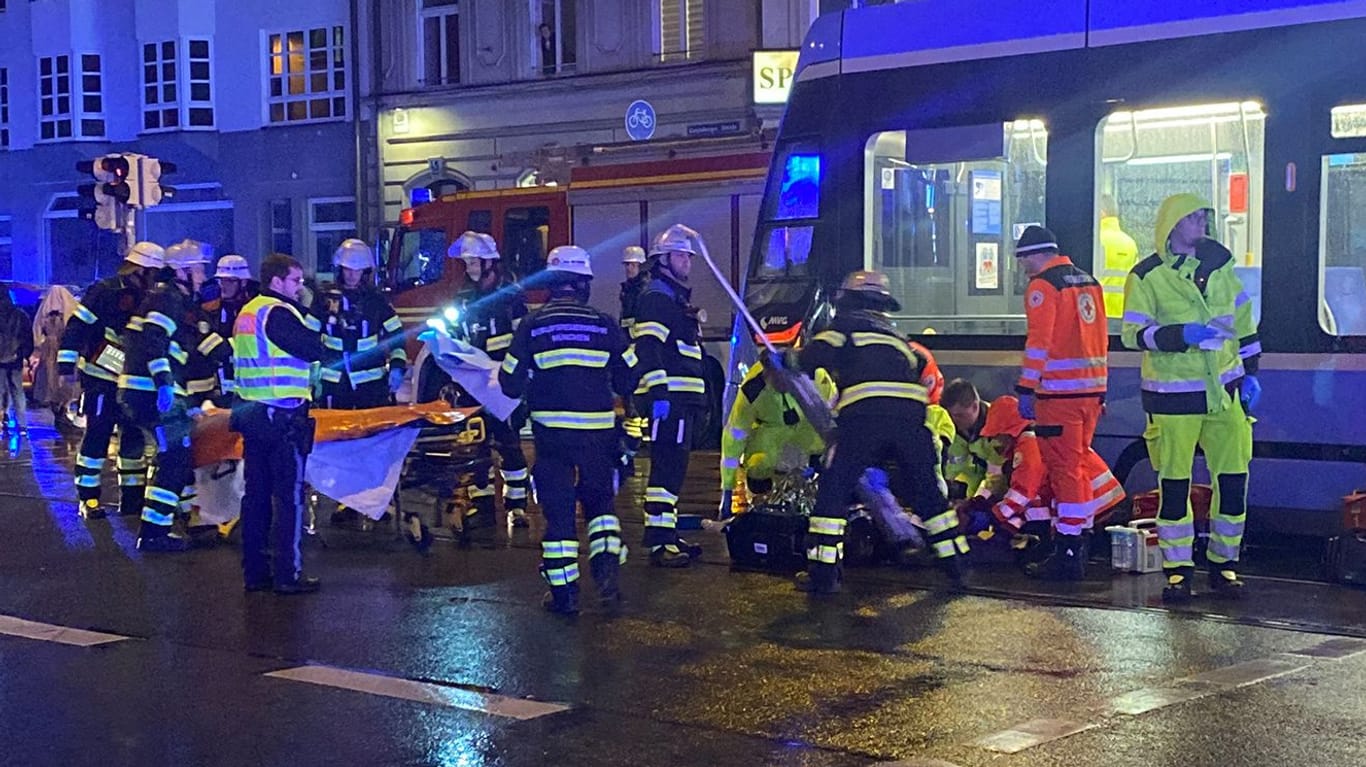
pixel 92 345
pixel 567 358
pixel 1062 382
pixel 882 417
pixel 162 343
pixel 633 424
pixel 1120 252
pixel 273 352
pixel 363 333
pixel 210 352
pixel 1028 496
pixel 974 465
pixel 235 288
pixel 766 433
pixel 491 313
pixel 666 358
pixel 1185 308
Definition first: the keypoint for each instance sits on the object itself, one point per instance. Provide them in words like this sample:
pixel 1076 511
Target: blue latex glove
pixel 1193 333
pixel 1251 392
pixel 395 380
pixel 1027 406
pixel 659 410
pixel 165 399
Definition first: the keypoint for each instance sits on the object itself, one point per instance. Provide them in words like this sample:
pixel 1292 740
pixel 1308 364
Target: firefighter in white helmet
pixel 568 375
pixel 666 358
pixel 363 332
pixel 490 311
pixel 633 425
pixel 171 352
pixel 236 286
pixel 91 346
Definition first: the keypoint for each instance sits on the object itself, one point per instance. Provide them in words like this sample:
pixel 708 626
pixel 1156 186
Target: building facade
pixel 488 94
pixel 252 100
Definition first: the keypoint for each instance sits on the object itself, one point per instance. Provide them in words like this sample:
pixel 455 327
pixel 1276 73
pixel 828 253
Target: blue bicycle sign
pixel 640 120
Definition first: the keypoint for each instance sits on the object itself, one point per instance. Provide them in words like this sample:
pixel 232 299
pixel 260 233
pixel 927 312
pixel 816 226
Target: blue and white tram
pixel 920 138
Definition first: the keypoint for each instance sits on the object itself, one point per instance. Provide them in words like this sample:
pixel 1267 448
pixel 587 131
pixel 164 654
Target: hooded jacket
pixel 1166 291
pixel 16 334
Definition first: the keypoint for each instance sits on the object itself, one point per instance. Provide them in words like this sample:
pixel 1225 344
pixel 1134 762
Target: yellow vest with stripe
pixel 264 372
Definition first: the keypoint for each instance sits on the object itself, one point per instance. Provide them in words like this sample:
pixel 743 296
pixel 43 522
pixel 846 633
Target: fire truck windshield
pixel 419 254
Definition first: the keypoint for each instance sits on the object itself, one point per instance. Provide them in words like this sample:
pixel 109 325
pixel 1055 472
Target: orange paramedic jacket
pixel 930 376
pixel 1067 338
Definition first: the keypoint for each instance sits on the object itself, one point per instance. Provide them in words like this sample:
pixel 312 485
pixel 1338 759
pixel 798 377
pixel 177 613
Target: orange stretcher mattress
pixel 211 441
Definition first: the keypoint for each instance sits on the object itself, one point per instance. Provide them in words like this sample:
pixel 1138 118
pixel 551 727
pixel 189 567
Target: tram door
pixel 944 208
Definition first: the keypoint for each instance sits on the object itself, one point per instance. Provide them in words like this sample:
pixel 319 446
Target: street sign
pixel 726 128
pixel 640 120
pixel 772 75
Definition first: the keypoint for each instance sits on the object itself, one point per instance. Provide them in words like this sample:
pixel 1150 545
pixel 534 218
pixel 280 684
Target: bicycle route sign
pixel 640 120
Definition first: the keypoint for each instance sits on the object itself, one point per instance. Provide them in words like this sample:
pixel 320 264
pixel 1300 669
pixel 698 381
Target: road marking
pixel 1333 649
pixel 1030 734
pixel 1152 698
pixel 47 632
pixel 1246 673
pixel 422 692
pixel 916 763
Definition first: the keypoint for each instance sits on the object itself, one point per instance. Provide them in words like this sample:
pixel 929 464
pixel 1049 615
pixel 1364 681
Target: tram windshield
pixel 943 208
pixel 1144 156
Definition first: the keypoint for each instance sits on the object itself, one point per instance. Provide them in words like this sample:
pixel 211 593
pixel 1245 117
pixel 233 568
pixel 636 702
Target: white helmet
pixel 185 253
pixel 677 239
pixel 146 254
pixel 570 259
pixel 354 254
pixel 233 266
pixel 633 254
pixel 474 245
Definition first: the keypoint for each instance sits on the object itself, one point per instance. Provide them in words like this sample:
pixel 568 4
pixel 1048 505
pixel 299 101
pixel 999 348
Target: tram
pixel 921 138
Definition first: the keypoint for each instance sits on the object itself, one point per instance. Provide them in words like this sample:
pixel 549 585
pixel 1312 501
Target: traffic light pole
pixel 128 228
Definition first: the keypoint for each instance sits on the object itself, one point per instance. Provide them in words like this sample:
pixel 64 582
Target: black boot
pixel 131 500
pixel 1224 582
pixel 606 569
pixel 1178 588
pixel 563 600
pixel 1067 562
pixel 669 556
pixel 820 579
pixel 693 550
pixel 955 568
pixel 155 538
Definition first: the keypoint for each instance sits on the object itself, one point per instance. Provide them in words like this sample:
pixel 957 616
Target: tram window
pixel 799 188
pixel 784 254
pixel 1213 150
pixel 943 208
pixel 1342 245
pixel 1349 121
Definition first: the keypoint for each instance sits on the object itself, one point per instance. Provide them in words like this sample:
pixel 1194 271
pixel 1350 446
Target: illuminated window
pixel 943 208
pixel 1349 121
pixel 679 29
pixel 440 42
pixel 1143 157
pixel 4 108
pixel 555 36
pixel 54 98
pixel 307 75
pixel 1342 245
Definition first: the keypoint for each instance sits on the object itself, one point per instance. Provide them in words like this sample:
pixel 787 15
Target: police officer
pixel 882 416
pixel 92 345
pixel 1185 308
pixel 273 350
pixel 154 389
pixel 633 425
pixel 362 331
pixel 667 362
pixel 235 288
pixel 568 359
pixel 492 312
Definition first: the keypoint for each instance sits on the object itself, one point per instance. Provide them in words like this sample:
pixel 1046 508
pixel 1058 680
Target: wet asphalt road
pixel 701 667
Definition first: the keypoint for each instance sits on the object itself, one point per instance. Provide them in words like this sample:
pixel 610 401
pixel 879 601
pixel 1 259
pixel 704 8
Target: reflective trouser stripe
pixel 666 519
pixel 1225 538
pixel 480 492
pixel 831 526
pixel 1176 539
pixel 951 547
pixel 160 506
pixel 660 495
pixel 942 522
pixel 607 523
pixel 607 544
pixel 945 539
pixel 826 554
pixel 558 549
pixel 561 576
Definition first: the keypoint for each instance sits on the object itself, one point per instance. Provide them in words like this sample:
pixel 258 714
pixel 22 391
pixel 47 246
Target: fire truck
pixel 603 209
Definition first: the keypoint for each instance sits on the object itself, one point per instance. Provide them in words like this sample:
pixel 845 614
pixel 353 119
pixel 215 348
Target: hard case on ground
pixel 767 537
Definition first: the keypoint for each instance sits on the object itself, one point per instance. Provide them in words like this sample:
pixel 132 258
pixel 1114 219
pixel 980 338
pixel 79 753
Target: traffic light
pixel 150 190
pixel 110 189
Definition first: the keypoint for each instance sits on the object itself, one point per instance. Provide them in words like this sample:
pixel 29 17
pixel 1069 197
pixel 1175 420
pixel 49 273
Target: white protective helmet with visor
pixel 233 267
pixel 184 254
pixel 148 255
pixel 677 239
pixel 354 254
pixel 633 254
pixel 569 260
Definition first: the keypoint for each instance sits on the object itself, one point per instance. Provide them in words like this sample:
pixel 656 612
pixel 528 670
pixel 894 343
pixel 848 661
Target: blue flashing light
pixel 800 193
pixel 420 196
